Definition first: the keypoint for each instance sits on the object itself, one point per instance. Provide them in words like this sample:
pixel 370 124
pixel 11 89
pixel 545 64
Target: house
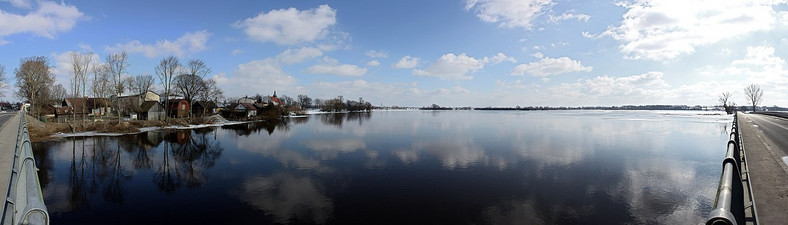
pixel 275 101
pixel 204 108
pixel 178 108
pixel 151 110
pixel 243 110
pixel 131 103
pixel 246 100
pixel 85 106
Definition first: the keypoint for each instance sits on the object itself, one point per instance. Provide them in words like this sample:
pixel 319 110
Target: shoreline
pixel 51 131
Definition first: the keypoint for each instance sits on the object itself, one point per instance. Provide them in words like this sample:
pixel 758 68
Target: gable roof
pixel 78 104
pixel 147 105
pixel 205 104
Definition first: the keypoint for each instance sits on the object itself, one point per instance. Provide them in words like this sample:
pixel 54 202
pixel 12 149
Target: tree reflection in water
pixel 104 165
pixel 246 129
pixel 337 119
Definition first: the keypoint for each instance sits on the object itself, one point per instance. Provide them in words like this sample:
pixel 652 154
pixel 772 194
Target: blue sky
pixel 415 53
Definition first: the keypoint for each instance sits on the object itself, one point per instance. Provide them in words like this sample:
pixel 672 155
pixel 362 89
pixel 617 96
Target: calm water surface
pixel 407 167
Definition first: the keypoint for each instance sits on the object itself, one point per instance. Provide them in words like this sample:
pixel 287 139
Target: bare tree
pixel 100 83
pixel 33 78
pixel 212 92
pixel 142 83
pixel 166 71
pixel 754 95
pixel 305 101
pixel 80 66
pixel 117 64
pixel 58 94
pixel 724 97
pixel 191 84
pixel 2 80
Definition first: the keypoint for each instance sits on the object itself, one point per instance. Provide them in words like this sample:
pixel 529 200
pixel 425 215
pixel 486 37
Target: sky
pixel 416 53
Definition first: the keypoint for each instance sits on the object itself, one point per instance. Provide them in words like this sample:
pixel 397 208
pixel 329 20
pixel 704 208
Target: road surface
pixel 765 141
pixel 8 133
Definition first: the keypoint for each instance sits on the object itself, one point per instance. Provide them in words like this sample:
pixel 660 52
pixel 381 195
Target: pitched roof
pixel 249 106
pixel 147 105
pixel 205 104
pixel 78 104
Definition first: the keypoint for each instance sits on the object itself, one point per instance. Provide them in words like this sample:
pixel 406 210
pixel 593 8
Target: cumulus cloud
pixel 376 54
pixel 550 66
pixel 457 67
pixel 291 56
pixel 47 21
pixel 289 26
pixel 373 63
pixel 452 67
pixel 498 58
pixel 407 62
pixel 249 77
pixel 341 70
pixel 569 16
pixel 509 13
pixel 63 68
pixel 627 89
pixel 655 30
pixel 191 42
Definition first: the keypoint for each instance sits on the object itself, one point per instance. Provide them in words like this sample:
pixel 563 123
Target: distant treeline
pixel 625 107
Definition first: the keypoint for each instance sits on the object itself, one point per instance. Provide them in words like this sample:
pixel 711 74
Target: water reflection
pixel 289 199
pixel 337 119
pixel 103 165
pixel 450 167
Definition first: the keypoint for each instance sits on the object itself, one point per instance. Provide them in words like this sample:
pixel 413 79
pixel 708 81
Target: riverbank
pixel 49 131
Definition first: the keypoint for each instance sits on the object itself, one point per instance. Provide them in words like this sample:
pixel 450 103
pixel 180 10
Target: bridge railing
pixel 24 201
pixel 729 207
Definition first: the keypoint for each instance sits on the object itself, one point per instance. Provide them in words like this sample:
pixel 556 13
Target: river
pixel 397 167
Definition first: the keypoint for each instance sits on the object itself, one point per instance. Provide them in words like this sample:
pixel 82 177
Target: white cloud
pixel 289 26
pixel 498 58
pixel 663 30
pixel 452 67
pixel 47 21
pixel 637 89
pixel 376 54
pixel 550 66
pixel 407 62
pixel 237 52
pixel 373 63
pixel 249 78
pixel 190 42
pixel 509 13
pixel 291 56
pixel 341 70
pixel 63 69
pixel 569 16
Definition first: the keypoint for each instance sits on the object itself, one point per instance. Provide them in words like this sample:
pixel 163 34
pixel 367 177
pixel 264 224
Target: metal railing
pixel 24 202
pixel 729 207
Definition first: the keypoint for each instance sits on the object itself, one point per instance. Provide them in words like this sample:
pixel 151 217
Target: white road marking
pixel 785 160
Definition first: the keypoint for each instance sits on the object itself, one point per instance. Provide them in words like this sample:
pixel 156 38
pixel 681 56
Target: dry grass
pixel 42 131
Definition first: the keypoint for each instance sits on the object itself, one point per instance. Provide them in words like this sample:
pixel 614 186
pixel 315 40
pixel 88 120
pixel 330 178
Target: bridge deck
pixel 763 139
pixel 9 124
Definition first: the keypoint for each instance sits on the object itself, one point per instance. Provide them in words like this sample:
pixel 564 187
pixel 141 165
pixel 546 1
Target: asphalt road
pixel 5 116
pixel 775 128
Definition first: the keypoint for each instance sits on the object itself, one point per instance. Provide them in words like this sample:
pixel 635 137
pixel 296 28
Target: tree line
pixel 35 82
